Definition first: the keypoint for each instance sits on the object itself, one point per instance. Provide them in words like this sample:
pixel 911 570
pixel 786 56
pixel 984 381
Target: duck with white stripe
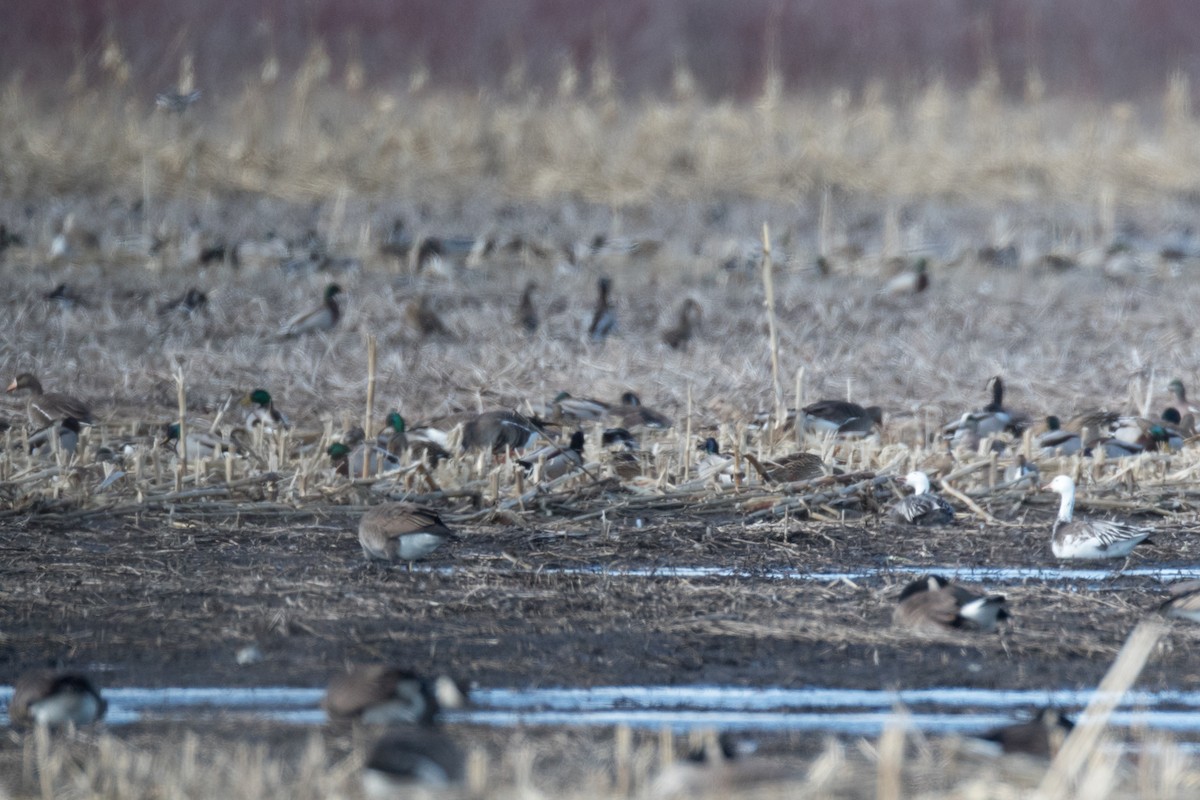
pixel 1084 537
pixel 922 507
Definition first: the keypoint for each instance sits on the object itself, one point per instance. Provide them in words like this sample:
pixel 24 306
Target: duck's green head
pixel 260 397
pixel 395 422
pixel 332 291
pixel 1053 423
pixel 171 431
pixel 1159 434
pixel 711 447
pixel 338 451
pixel 921 266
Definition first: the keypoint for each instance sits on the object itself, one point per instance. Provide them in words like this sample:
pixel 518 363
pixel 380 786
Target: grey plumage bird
pixel 322 318
pixel 401 531
pixel 45 408
pixel 922 507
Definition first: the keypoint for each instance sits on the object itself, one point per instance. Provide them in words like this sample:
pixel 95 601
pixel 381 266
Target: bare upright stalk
pixel 370 403
pixel 769 301
pixel 181 399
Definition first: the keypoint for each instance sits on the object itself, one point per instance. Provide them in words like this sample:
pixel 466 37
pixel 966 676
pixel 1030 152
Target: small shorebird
pixel 922 507
pixel 1088 538
pixel 380 694
pixel 263 412
pixel 933 603
pixel 604 318
pixel 402 531
pixel 45 408
pixel 1184 602
pixel 47 698
pixel 406 758
pixel 322 318
pixel 690 317
pixel 841 417
pixel 1040 737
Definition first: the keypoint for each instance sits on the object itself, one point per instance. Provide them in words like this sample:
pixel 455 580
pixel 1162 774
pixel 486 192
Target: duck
pixel 322 318
pixel 633 414
pixel 190 302
pixel 263 412
pixel 351 460
pixel 45 408
pixel 922 507
pixel 46 698
pixel 68 432
pixel 1184 602
pixel 716 465
pixel 406 757
pixel 720 766
pixel 1089 538
pixel 500 430
pixel 690 317
pixel 915 281
pixel 1093 425
pixel 527 316
pixel 990 420
pixel 201 443
pixel 932 602
pixel 555 461
pixel 394 439
pixel 1041 737
pixel 565 406
pixel 841 417
pixel 1175 387
pixel 1022 472
pixel 403 531
pixel 789 468
pixel 1055 441
pixel 604 318
pixel 66 297
pixel 382 694
pixel 425 321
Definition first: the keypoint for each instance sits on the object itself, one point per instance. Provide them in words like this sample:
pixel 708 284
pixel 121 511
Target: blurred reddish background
pixel 1114 49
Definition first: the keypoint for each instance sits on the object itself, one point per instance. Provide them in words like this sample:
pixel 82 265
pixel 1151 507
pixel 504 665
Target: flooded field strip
pixel 997 574
pixel 845 711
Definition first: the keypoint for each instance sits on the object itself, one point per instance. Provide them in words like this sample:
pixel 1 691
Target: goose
pixel 403 531
pixel 556 461
pixel 382 694
pixel 604 318
pixel 51 699
pixel 263 412
pixel 633 414
pixel 987 421
pixel 527 316
pixel 933 603
pixel 1184 602
pixel 922 507
pixel 1041 737
pixel 841 417
pixel 405 758
pixel 1088 538
pixel 690 317
pixel 322 318
pixel 45 408
pixel 789 468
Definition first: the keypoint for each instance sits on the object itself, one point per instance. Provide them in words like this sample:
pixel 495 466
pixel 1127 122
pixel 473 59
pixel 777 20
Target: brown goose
pixel 1184 602
pixel 380 694
pixel 47 698
pixel 1040 737
pixel 45 408
pixel 402 531
pixel 933 603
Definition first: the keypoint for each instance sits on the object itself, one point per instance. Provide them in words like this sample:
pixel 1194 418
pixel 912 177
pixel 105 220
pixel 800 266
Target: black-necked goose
pixel 401 531
pixel 52 699
pixel 933 603
pixel 1040 737
pixel 381 694
pixel 322 318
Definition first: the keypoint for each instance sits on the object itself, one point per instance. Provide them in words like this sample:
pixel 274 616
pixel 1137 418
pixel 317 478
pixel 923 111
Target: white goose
pixel 922 507
pixel 1089 538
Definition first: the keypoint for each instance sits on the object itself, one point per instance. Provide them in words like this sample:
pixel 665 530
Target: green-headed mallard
pixel 349 460
pixel 401 531
pixel 604 318
pixel 922 507
pixel 914 281
pixel 52 699
pixel 1056 441
pixel 933 603
pixel 633 414
pixel 841 417
pixel 263 412
pixel 407 760
pixel 564 406
pixel 1073 537
pixel 556 461
pixel 1041 737
pixel 395 439
pixel 527 316
pixel 380 694
pixel 45 408
pixel 322 318
pixel 690 317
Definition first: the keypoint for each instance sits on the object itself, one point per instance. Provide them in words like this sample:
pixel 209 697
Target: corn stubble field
pixel 1060 256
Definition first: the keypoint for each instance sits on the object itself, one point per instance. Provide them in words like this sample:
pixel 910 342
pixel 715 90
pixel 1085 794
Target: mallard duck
pixel 604 318
pixel 405 757
pixel 576 409
pixel 263 412
pixel 188 303
pixel 52 699
pixel 394 438
pixel 349 460
pixel 1022 473
pixel 1041 737
pixel 46 408
pixel 1088 538
pixel 1184 602
pixel 715 766
pixel 987 421
pixel 68 431
pixel 1175 387
pixel 499 430
pixel 200 442
pixel 789 468
pixel 932 602
pixel 633 414
pixel 527 316
pixel 380 694
pixel 1150 434
pixel 322 318
pixel 1055 441
pixel 556 461
pixel 623 454
pixel 716 465
pixel 922 507
pixel 425 321
pixel 915 281
pixel 403 531
pixel 66 297
pixel 841 417
pixel 690 317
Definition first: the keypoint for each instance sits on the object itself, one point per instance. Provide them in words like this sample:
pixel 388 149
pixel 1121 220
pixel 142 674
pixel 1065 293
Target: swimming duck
pixel 1040 737
pixel 45 408
pixel 380 694
pixel 932 602
pixel 633 414
pixel 527 316
pixel 1089 538
pixel 403 531
pixel 922 507
pixel 263 412
pixel 689 320
pixel 604 318
pixel 841 417
pixel 52 699
pixel 556 461
pixel 407 757
pixel 322 318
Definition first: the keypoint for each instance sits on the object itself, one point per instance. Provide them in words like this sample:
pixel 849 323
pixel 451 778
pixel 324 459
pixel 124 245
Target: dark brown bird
pixel 46 408
pixel 604 318
pixel 404 531
pixel 690 317
pixel 380 694
pixel 425 320
pixel 47 698
pixel 1041 736
pixel 633 414
pixel 527 316
pixel 933 603
pixel 405 758
pixel 789 468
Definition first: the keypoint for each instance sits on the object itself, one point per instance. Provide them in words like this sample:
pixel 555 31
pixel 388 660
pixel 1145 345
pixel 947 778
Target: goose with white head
pixel 1083 537
pixel 922 507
